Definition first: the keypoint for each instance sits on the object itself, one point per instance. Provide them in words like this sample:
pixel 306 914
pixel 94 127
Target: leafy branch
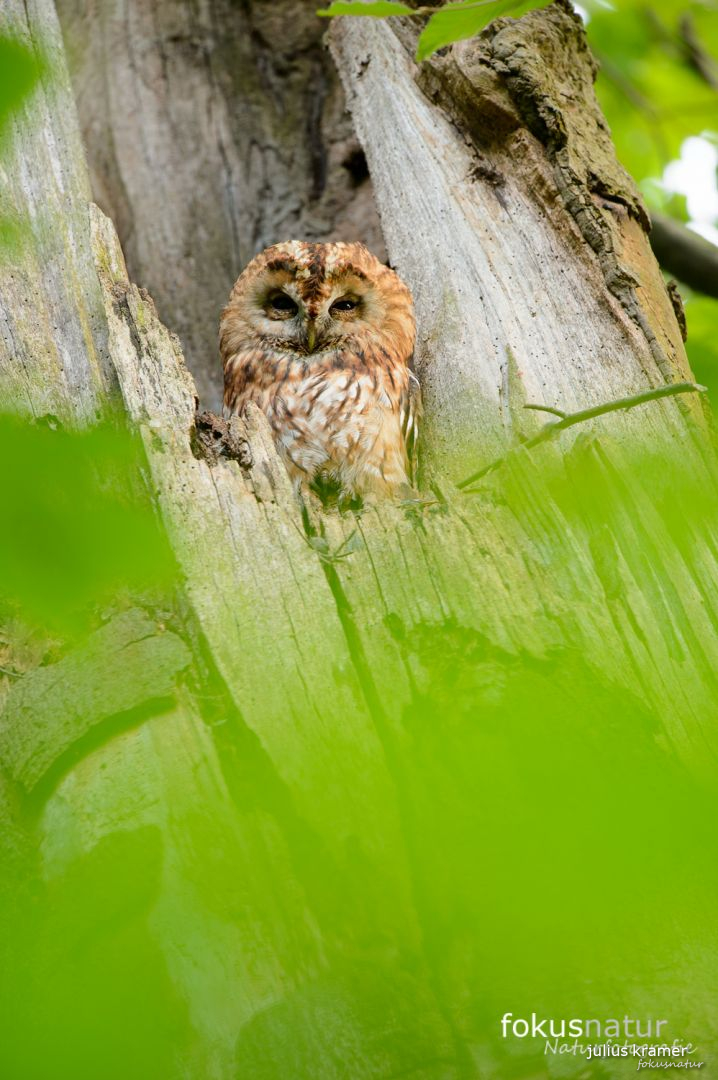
pixel 567 420
pixel 447 23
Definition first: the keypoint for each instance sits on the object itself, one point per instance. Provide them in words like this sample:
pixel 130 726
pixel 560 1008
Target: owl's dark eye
pixel 347 303
pixel 280 302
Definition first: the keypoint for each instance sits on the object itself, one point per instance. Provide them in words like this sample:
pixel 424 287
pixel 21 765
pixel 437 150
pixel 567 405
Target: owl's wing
pixel 411 413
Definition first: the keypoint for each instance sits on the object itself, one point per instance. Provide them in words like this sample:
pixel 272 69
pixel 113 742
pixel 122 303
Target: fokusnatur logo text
pixel 557 1034
pixel 576 1029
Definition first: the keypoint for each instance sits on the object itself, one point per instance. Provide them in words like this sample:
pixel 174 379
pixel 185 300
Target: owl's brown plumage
pixel 320 337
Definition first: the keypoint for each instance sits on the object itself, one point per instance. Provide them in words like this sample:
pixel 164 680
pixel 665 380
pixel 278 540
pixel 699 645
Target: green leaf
pixel 13 231
pixel 702 318
pixel 381 9
pixel 651 93
pixel 19 71
pixel 457 21
pixel 76 527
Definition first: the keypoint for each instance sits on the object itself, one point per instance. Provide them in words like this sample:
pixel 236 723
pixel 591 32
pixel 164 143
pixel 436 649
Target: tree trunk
pixel 316 834
pixel 212 132
pixel 495 175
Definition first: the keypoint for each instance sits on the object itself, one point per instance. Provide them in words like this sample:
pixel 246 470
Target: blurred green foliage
pixel 658 86
pixel 702 346
pixel 21 69
pixel 653 85
pixel 19 72
pixel 75 529
pixel 464 19
pixel 378 9
pixel 450 22
pixel 552 852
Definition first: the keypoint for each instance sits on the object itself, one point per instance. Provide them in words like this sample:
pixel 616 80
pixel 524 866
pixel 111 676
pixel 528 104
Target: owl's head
pixel 307 299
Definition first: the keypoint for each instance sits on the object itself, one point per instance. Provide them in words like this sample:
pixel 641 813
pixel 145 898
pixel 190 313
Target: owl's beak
pixel 310 335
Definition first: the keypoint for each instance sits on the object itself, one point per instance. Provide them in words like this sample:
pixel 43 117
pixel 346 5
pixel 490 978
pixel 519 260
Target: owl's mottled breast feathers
pixel 320 337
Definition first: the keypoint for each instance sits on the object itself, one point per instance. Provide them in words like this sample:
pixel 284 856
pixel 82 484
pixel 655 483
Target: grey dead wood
pixel 263 617
pixel 212 131
pixel 53 349
pixel 550 295
pixel 505 210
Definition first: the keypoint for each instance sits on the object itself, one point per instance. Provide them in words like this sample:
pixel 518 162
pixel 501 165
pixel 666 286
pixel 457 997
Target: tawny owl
pixel 320 337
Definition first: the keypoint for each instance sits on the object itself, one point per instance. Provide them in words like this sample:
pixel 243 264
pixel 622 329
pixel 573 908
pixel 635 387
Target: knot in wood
pixel 214 437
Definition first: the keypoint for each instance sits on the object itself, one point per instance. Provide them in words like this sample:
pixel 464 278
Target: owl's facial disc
pixel 306 300
pixel 324 322
pixel 353 307
pixel 308 316
pixel 277 312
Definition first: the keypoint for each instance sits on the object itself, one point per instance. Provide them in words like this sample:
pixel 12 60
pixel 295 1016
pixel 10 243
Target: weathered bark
pixel 324 754
pixel 522 239
pixel 213 131
pixel 54 356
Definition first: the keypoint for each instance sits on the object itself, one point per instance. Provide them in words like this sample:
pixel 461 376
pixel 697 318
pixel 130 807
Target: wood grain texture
pixel 522 572
pixel 257 589
pixel 528 286
pixel 212 131
pixel 53 356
